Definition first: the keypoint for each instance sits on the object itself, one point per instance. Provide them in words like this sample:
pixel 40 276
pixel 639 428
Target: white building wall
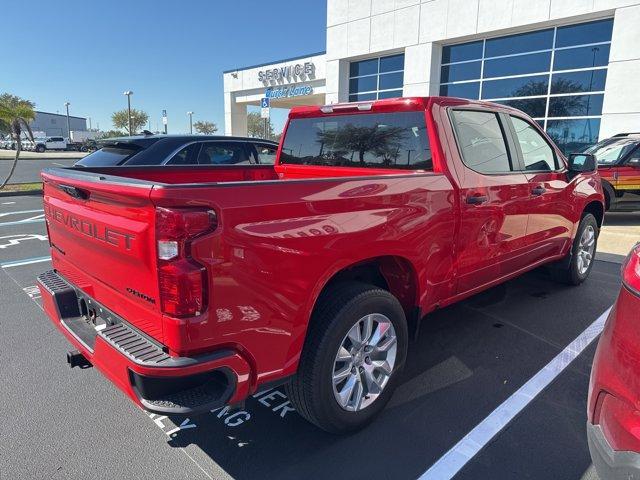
pixel 359 29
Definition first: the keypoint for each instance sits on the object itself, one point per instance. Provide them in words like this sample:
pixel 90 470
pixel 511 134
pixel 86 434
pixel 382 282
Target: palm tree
pixel 15 115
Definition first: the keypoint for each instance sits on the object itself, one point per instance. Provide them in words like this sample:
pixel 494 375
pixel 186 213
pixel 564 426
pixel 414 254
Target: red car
pixel 191 287
pixel 613 427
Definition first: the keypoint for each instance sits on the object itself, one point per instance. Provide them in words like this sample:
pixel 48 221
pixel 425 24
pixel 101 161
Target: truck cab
pixel 51 143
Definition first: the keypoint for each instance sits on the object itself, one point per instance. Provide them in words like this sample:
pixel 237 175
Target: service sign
pixel 286 73
pixel 284 92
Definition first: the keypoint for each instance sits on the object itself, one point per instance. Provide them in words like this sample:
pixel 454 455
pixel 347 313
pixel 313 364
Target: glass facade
pixel 376 78
pixel 556 75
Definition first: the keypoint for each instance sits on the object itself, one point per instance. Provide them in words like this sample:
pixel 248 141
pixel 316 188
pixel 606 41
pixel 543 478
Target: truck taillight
pixel 182 280
pixel 631 270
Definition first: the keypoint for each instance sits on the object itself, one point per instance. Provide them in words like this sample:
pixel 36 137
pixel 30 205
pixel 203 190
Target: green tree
pixel 382 142
pixel 120 120
pixel 112 134
pixel 15 115
pixel 205 127
pixel 255 126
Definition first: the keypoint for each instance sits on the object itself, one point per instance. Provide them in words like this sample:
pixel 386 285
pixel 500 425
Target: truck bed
pixel 193 174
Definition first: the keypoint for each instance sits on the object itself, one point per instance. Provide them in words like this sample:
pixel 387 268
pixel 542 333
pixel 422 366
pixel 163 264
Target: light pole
pixel 128 93
pixel 66 104
pixel 190 122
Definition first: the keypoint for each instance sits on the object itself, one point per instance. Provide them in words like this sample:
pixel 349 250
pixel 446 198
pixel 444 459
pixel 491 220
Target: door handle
pixel 537 191
pixel 476 199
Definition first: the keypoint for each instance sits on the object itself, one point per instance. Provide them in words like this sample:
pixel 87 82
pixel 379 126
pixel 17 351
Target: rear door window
pixel 108 157
pixel 223 153
pixel 186 156
pixel 375 140
pixel 481 141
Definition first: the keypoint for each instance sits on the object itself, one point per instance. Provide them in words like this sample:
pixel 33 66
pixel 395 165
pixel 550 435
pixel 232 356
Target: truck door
pixel 550 224
pixel 627 182
pixel 493 198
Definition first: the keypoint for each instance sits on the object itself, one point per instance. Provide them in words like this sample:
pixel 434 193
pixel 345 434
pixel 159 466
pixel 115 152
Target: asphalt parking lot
pixel 467 361
pixel 28 169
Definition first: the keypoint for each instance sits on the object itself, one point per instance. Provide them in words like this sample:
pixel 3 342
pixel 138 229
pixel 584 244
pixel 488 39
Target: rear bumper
pixel 609 463
pixel 136 363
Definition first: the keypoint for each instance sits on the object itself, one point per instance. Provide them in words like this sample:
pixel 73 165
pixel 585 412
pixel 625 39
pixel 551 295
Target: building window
pixel 376 78
pixel 556 75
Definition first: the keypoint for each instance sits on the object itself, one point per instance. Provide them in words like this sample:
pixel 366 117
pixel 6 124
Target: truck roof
pixel 392 105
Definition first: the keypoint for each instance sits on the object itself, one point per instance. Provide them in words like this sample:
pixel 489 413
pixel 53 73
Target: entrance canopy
pixel 287 83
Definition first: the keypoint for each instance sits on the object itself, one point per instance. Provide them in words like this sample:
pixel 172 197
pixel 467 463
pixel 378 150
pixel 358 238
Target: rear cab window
pixel 371 140
pixel 109 156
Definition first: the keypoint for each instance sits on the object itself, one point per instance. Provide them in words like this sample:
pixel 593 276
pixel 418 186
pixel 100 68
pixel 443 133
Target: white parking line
pixel 19 212
pixel 462 452
pixel 21 222
pixel 8 203
pixel 59 164
pixel 26 261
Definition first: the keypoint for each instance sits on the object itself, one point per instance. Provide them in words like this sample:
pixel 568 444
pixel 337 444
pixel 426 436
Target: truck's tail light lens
pixel 631 270
pixel 182 288
pixel 182 281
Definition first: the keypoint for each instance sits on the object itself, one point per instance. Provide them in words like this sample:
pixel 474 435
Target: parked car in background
pixel 27 145
pixel 618 160
pixel 176 150
pixel 614 391
pixel 193 287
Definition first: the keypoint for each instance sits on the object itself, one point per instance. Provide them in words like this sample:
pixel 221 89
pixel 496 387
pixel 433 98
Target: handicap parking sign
pixel 265 102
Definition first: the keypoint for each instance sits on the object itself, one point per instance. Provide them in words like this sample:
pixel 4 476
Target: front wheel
pixel 355 349
pixel 40 149
pixel 583 252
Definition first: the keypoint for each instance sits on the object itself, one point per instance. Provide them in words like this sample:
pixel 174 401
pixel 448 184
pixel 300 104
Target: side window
pixel 536 152
pixel 634 158
pixel 266 154
pixel 481 141
pixel 186 156
pixel 223 153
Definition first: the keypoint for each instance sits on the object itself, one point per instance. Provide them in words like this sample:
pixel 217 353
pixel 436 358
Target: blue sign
pixel 283 92
pixel 265 102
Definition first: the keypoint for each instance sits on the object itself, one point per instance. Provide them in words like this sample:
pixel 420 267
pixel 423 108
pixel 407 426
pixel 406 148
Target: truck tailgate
pixel 103 240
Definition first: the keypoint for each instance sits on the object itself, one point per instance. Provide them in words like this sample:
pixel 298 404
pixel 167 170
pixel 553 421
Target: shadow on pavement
pixel 467 359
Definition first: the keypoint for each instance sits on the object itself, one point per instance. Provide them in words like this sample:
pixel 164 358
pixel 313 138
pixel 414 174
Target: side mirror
pixel 582 162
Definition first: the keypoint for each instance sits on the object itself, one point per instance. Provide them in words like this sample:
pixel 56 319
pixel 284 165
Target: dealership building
pixel 572 65
pixel 54 124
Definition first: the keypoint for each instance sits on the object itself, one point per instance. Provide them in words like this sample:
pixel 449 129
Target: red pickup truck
pixel 192 287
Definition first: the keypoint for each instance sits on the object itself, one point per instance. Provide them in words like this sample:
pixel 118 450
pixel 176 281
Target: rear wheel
pixel 583 252
pixel 356 346
pixel 40 149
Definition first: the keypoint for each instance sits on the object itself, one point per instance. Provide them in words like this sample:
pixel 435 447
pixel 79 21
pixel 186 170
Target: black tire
pixel 40 149
pixel 571 274
pixel 337 310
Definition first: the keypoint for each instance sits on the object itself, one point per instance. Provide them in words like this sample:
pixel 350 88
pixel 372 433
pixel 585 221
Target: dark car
pixel 619 165
pixel 181 150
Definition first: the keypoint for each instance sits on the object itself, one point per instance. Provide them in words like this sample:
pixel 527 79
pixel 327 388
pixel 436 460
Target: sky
pixel 171 54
